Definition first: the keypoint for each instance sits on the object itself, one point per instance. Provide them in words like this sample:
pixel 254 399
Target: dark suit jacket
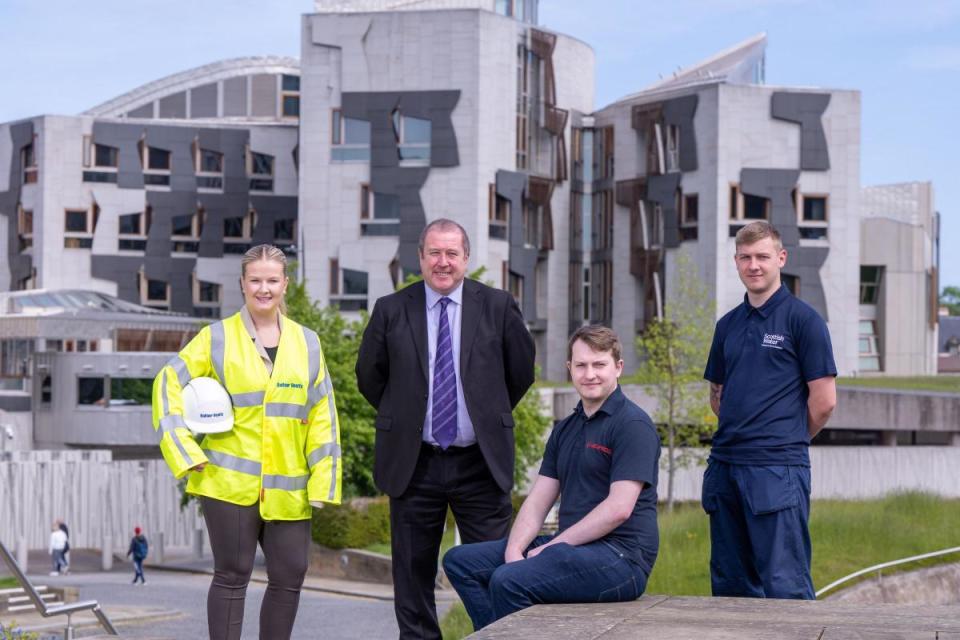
pixel 496 369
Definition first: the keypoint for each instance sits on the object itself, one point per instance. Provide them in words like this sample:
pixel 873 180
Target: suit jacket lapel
pixel 416 309
pixel 469 320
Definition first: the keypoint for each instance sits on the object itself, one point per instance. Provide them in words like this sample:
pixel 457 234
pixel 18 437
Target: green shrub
pixel 352 525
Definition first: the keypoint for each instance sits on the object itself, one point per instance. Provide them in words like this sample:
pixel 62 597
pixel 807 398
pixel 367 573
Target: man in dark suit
pixel 444 361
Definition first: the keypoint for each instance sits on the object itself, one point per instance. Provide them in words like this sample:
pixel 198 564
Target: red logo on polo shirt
pixel 600 448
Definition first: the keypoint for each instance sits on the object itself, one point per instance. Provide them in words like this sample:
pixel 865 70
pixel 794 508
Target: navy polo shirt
pixel 764 357
pixel 618 442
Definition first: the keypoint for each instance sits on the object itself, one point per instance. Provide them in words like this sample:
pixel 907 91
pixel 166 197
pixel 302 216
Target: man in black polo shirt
pixel 603 461
pixel 772 384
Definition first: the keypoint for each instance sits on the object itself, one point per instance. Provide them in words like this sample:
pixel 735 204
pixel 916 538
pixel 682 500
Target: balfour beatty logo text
pixel 289 385
pixel 219 414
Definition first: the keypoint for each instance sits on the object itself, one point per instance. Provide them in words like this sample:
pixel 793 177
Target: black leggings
pixel 234 533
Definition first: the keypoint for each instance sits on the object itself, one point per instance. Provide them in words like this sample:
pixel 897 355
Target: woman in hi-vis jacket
pixel 257 481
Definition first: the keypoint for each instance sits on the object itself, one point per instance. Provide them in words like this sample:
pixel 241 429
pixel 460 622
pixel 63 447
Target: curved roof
pixel 191 78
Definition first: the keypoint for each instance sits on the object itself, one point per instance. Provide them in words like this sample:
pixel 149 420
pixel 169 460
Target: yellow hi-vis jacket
pixel 284 448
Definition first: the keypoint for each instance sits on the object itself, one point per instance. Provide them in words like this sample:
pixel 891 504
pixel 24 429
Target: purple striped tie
pixel 444 417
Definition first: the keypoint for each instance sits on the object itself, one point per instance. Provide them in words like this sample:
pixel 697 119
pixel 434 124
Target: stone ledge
pixel 701 618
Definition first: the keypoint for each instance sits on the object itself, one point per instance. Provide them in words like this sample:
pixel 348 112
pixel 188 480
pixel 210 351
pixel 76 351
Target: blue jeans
pixel 138 570
pixel 491 589
pixel 759 539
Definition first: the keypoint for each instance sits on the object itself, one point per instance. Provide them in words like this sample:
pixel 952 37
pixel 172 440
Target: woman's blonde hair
pixel 264 252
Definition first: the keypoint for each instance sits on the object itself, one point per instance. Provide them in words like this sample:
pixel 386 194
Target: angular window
pixel 870 280
pixel 233 227
pixel 205 294
pixel 260 171
pixel 290 96
pixel 744 206
pixel 869 346
pixel 813 224
pixel 76 220
pixel 498 214
pixel 350 138
pixel 386 214
pixel 28 160
pixel 689 216
pixel 209 161
pixel 158 159
pixel 153 293
pixel 673 148
pixel 413 138
pixel 237 232
pixel 348 287
pixel 133 229
pixel 24 228
pixel 182 225
pixel 285 230
pixel 105 157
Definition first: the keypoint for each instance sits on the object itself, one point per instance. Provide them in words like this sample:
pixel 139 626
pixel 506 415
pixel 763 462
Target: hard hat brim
pixel 209 427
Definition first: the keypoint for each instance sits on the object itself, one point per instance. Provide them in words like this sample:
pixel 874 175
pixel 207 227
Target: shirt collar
pixel 433 297
pixel 772 302
pixel 610 406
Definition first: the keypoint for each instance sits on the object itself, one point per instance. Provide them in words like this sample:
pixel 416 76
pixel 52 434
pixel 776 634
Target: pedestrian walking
pixel 58 542
pixel 66 550
pixel 138 549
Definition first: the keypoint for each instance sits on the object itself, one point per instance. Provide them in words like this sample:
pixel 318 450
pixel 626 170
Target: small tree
pixel 340 340
pixel 674 351
pixel 950 298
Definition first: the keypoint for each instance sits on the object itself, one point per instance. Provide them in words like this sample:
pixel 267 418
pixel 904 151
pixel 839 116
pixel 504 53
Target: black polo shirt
pixel 764 358
pixel 618 442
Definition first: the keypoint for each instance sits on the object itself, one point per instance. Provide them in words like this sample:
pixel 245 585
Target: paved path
pixel 690 618
pixel 179 598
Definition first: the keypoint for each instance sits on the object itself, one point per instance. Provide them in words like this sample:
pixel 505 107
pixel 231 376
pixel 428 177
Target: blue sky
pixel 60 57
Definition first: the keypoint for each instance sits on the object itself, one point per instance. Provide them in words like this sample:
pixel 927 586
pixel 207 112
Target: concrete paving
pixel 692 618
pixel 172 605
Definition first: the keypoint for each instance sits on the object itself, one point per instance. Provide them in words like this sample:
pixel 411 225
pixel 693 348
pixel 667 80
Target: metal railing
pixel 55 610
pixel 885 565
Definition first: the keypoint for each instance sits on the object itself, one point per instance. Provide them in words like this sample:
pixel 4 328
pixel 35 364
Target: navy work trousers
pixel 759 539
pixel 491 589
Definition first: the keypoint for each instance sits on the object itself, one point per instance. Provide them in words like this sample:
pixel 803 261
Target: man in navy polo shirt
pixel 602 462
pixel 772 384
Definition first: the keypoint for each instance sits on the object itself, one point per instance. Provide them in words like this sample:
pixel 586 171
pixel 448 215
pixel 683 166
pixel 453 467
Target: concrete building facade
pixel 401 112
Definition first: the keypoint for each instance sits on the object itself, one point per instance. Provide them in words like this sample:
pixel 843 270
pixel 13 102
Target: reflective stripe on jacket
pixel 284 448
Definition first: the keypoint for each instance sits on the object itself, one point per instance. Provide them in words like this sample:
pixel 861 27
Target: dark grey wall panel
pixel 146 111
pixel 386 174
pixel 182 199
pixel 512 186
pixel 203 101
pixel 124 137
pixel 235 96
pixel 806 109
pixel 263 95
pixel 21 266
pixel 173 106
pixel 269 210
pixel 680 112
pixel 802 262
pixel 663 191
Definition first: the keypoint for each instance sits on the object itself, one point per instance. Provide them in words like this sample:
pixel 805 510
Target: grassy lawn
pixel 384 547
pixel 949 384
pixel 847 536
pixel 8 583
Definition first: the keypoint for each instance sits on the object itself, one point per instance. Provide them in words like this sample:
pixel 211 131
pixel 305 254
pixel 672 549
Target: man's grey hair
pixel 444 224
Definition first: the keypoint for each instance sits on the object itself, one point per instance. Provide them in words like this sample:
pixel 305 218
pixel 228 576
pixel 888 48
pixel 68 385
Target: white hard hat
pixel 207 407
